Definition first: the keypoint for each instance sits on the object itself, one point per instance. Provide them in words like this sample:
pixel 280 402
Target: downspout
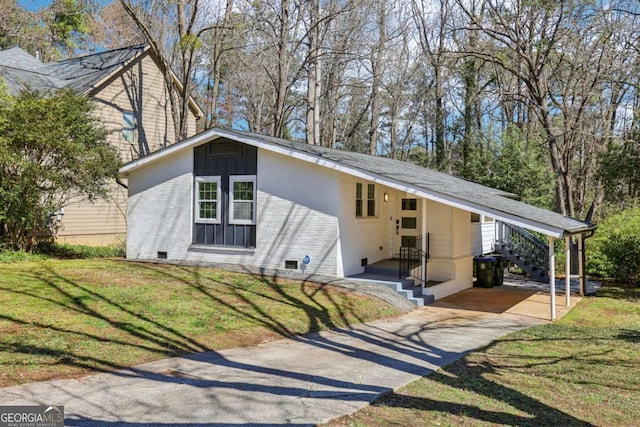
pixel 582 259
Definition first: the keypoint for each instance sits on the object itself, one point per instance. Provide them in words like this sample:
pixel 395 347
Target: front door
pixel 407 222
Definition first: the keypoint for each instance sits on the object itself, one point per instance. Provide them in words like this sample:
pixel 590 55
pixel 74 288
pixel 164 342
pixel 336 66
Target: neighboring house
pixel 276 206
pixel 132 104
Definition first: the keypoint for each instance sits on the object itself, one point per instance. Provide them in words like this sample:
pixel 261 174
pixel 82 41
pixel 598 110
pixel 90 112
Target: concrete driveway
pixel 301 381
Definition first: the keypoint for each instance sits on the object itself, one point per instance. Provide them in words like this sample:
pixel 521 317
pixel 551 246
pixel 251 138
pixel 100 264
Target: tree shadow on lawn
pixel 318 314
pixel 471 377
pixel 140 331
pixel 412 354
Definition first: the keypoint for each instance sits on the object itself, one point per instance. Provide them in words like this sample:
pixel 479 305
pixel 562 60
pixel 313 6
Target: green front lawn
pixel 582 370
pixel 65 318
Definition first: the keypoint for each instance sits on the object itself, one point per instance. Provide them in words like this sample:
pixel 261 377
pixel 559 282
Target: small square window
pixel 408 222
pixel 409 204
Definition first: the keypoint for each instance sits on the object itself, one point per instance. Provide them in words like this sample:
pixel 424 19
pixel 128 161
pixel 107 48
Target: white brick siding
pixel 295 215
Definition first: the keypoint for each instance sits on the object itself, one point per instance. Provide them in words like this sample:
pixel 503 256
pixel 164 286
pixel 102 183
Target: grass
pixel 582 370
pixel 67 318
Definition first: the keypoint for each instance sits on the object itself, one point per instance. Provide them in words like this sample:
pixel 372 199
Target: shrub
pixel 623 254
pixel 7 257
pixel 614 251
pixel 62 251
pixel 67 251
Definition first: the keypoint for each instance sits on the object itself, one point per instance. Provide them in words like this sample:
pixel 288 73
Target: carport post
pixel 567 269
pixel 552 277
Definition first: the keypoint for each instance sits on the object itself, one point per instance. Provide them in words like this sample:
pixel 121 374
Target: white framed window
pixel 242 199
pixel 368 209
pixel 371 200
pixel 128 126
pixel 358 200
pixel 208 199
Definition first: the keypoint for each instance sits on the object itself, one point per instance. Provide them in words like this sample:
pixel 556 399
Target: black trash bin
pixel 501 264
pixel 486 271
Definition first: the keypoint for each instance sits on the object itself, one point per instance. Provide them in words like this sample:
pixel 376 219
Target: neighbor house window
pixel 208 199
pixel 242 199
pixel 475 217
pixel 371 200
pixel 128 126
pixel 358 199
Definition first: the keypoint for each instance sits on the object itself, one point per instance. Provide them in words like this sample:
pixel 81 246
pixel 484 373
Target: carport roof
pixel 404 176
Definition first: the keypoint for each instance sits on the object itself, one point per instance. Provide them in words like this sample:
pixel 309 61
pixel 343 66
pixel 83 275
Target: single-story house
pixel 231 197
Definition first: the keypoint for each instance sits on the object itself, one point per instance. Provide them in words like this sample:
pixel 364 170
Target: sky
pixel 37 4
pixel 34 4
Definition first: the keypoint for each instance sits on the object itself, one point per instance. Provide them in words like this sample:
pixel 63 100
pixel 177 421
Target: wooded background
pixel 536 97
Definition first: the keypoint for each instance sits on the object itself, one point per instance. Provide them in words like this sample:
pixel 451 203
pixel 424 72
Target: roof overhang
pixel 446 199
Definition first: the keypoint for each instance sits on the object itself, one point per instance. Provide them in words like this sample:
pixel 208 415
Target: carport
pixel 519 297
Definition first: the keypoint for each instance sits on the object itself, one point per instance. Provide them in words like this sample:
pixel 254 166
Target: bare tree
pixel 432 20
pixel 172 30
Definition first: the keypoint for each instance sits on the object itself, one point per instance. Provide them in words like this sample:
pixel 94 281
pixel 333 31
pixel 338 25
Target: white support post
pixel 552 277
pixel 567 284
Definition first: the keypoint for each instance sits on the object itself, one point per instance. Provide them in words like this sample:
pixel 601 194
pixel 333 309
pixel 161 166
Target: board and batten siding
pixel 296 216
pixel 224 158
pixel 138 88
pixel 482 236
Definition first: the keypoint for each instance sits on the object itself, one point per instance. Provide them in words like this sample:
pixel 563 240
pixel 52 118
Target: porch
pixel 519 295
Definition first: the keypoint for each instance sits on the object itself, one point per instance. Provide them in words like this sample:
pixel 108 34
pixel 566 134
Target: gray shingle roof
pixel 22 71
pixel 457 191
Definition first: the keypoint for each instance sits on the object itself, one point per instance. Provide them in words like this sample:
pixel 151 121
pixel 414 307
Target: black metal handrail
pixel 412 258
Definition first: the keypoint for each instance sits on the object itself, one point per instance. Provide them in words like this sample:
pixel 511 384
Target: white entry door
pixel 407 222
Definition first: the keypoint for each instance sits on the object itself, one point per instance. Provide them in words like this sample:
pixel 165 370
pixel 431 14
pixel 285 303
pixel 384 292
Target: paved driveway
pixel 303 381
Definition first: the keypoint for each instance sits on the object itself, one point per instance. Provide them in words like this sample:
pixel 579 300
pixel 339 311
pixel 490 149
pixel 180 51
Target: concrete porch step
pixel 404 287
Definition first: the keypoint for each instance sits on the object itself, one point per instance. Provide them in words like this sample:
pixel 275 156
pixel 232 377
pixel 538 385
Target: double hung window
pixel 208 199
pixel 367 210
pixel 242 199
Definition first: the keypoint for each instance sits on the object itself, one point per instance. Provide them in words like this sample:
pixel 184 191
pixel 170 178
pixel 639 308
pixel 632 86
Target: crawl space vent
pixel 291 264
